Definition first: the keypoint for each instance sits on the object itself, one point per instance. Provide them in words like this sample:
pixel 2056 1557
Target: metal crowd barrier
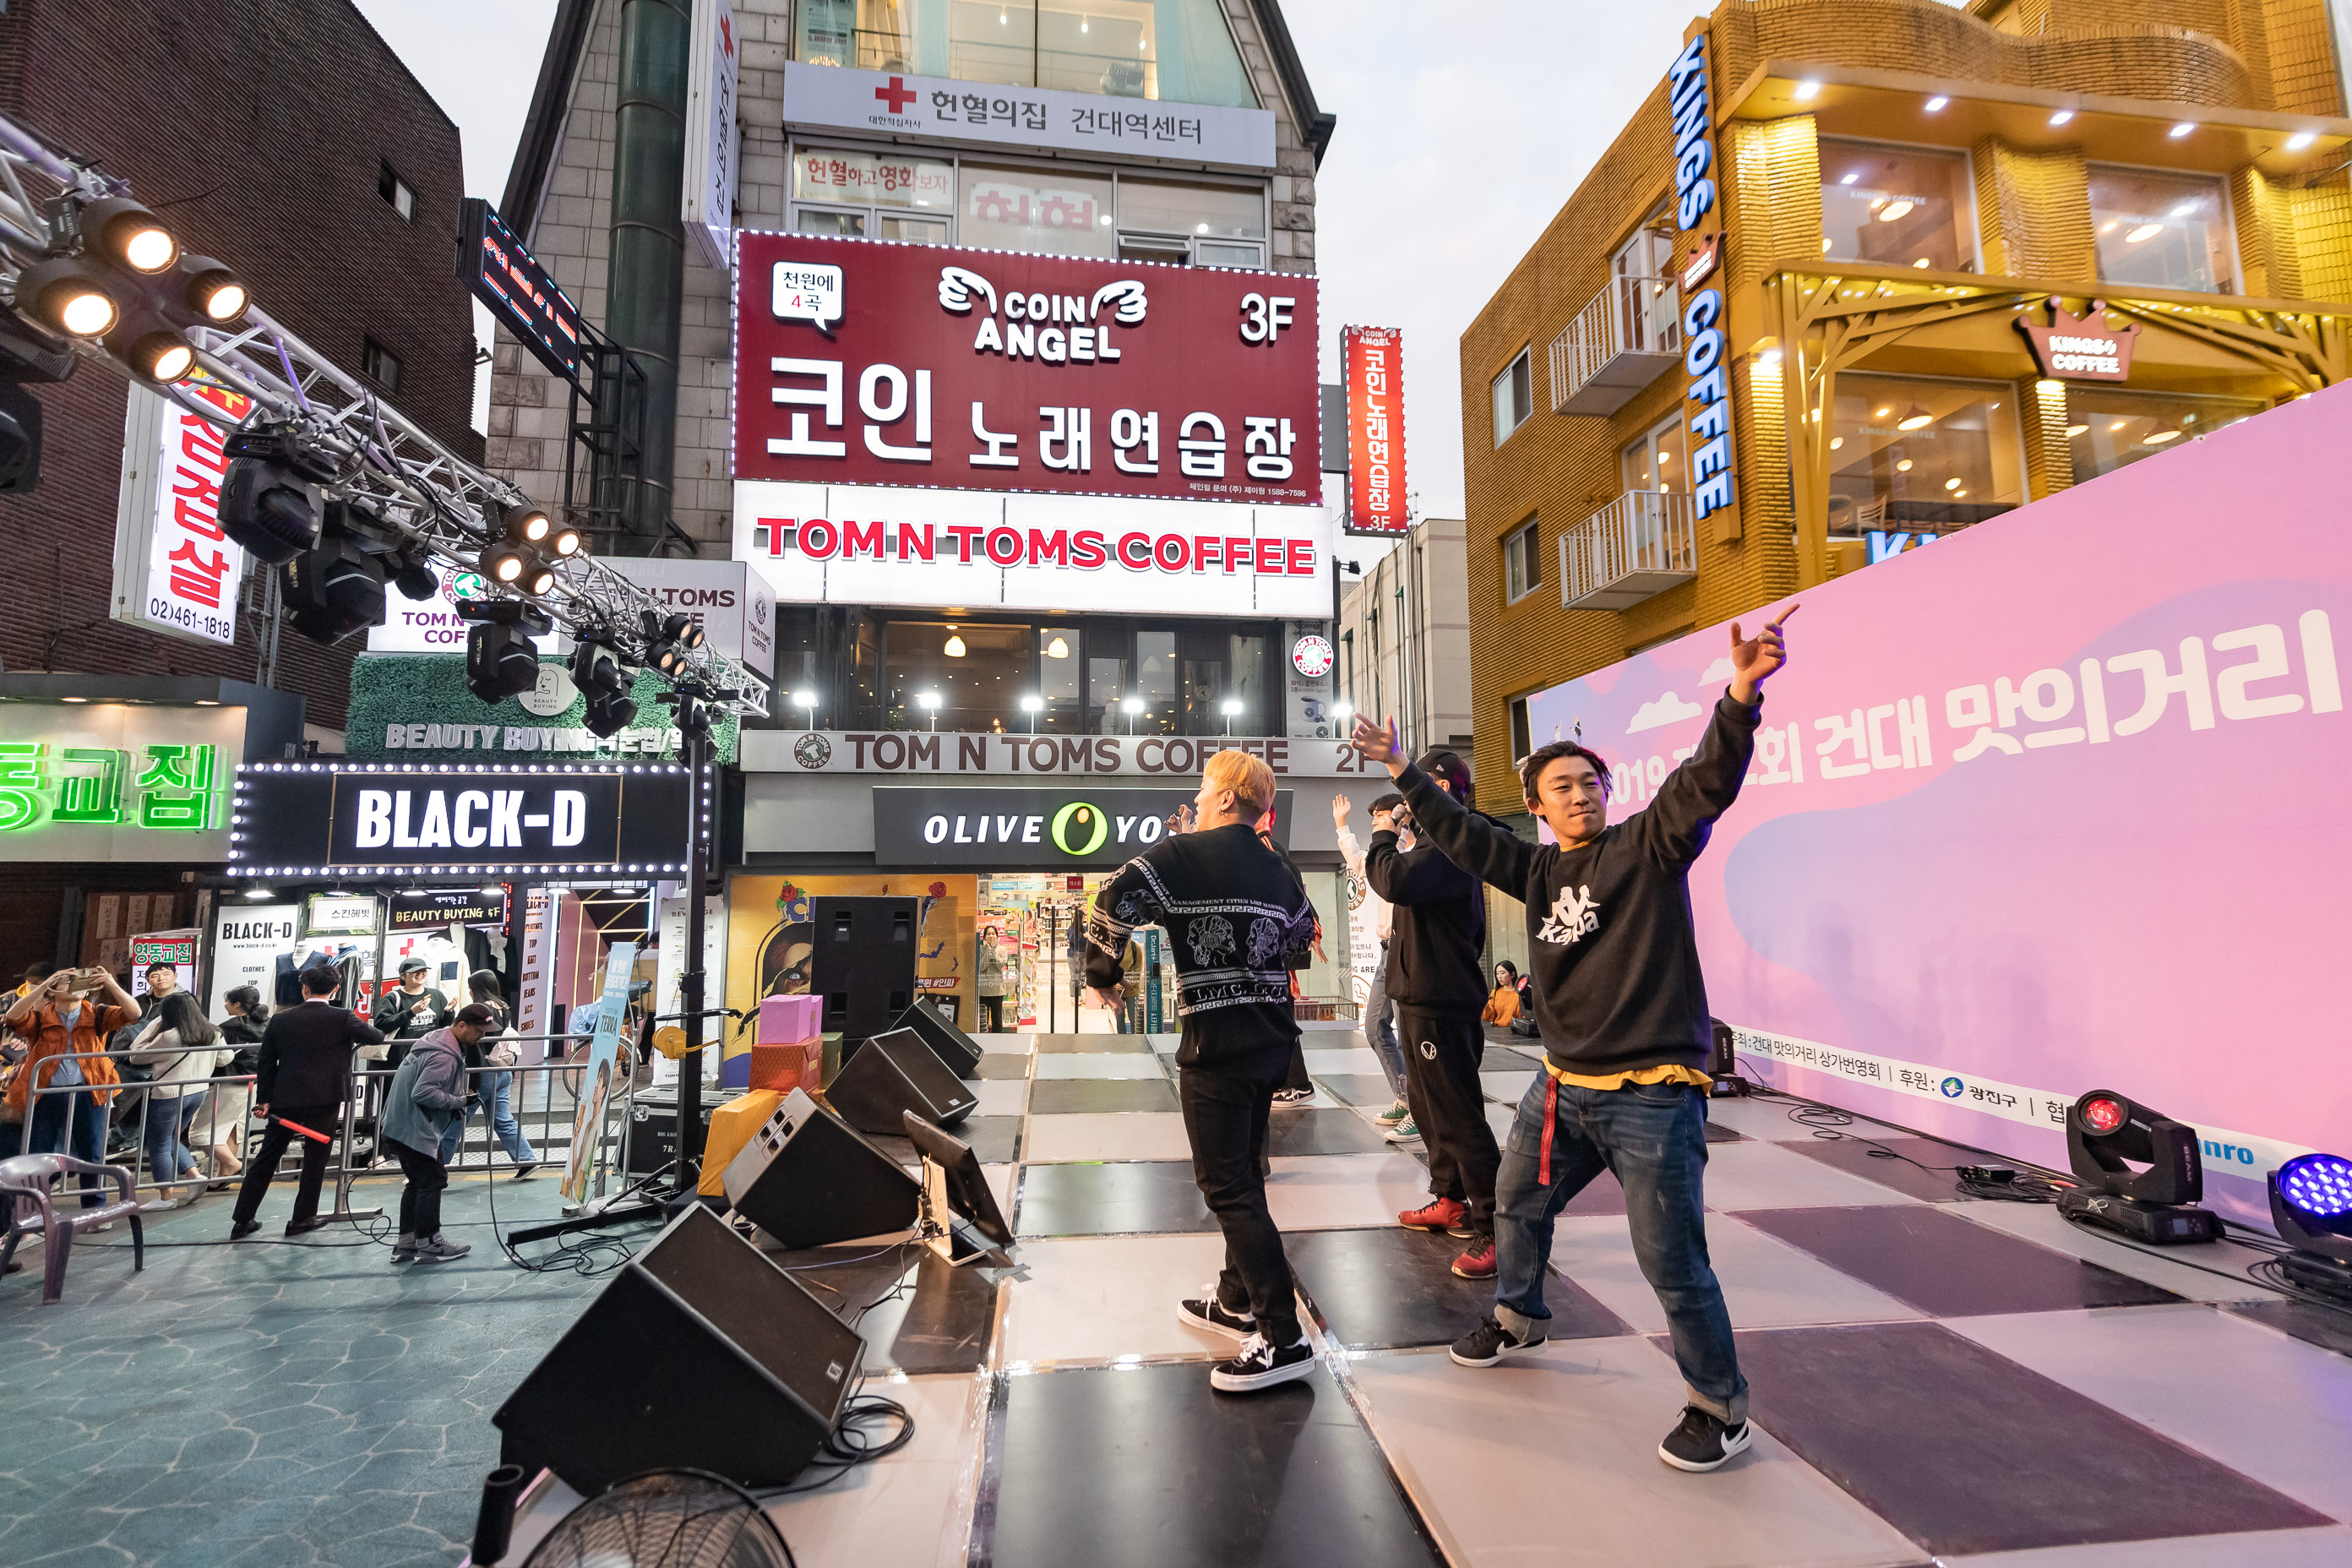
pixel 542 1100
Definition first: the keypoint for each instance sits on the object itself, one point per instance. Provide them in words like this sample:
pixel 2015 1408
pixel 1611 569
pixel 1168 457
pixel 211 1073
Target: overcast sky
pixel 1462 130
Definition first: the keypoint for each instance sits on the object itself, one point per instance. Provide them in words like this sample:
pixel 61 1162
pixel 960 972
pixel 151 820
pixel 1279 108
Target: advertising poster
pixel 2037 811
pixel 599 1074
pixel 247 940
pixel 176 947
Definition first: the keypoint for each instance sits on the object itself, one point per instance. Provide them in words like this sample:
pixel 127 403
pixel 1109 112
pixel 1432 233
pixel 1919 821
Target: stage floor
pixel 1934 1378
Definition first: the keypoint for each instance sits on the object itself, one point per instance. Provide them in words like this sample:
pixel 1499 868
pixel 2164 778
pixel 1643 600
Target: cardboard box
pixel 732 1126
pixel 787 1020
pixel 799 1064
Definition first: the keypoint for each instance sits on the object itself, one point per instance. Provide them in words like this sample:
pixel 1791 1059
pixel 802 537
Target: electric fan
pixel 664 1518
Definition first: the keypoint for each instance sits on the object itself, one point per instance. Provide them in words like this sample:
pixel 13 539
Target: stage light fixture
pixel 271 503
pixel 20 439
pixel 516 566
pixel 208 292
pixel 413 576
pixel 129 235
pixel 68 294
pixel 2107 1135
pixel 686 629
pixel 500 659
pixel 604 679
pixel 2311 1204
pixel 153 349
pixel 334 590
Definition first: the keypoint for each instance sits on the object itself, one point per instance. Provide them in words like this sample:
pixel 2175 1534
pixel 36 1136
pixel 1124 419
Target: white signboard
pixel 714 1031
pixel 838 98
pixel 1036 757
pixel 174 571
pixel 247 940
pixel 710 134
pixel 339 914
pixel 733 604
pixel 432 625
pixel 856 544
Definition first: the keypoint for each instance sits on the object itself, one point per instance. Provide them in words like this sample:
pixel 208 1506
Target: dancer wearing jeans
pixel 1622 1009
pixel 1240 920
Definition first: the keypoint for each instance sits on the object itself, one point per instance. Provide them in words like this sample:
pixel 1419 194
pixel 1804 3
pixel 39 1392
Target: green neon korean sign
pixel 164 787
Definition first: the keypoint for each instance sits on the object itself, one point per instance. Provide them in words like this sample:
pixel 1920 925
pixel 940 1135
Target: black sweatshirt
pixel 1437 934
pixel 1238 919
pixel 1610 944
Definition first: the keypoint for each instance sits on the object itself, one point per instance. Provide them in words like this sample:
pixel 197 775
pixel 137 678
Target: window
pixel 1175 49
pixel 1921 456
pixel 1897 207
pixel 395 192
pixel 1522 561
pixel 1207 226
pixel 2107 429
pixel 1058 664
pixel 977 670
pixel 1514 399
pixel 2162 231
pixel 378 365
pixel 1522 741
pixel 1657 461
pixel 877 196
pixel 1063 211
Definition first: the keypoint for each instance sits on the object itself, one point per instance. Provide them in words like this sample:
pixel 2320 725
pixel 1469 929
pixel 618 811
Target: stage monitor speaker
pixel 807 1179
pixel 862 962
pixel 701 1354
pixel 958 1050
pixel 893 1073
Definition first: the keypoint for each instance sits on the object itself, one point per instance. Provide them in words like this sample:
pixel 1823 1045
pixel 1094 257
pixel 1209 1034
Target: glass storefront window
pixel 1921 456
pixel 1655 462
pixel 2107 429
pixel 1155 682
pixel 1058 664
pixel 1176 49
pixel 1057 210
pixel 865 179
pixel 978 671
pixel 2161 231
pixel 1896 206
pixel 1106 684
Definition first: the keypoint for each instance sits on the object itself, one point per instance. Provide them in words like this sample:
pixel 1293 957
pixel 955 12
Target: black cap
pixel 474 1013
pixel 411 965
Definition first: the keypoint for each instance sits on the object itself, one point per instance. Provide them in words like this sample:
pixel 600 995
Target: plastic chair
pixel 25 1181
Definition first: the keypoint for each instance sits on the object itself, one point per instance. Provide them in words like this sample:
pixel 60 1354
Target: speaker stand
pixel 943 1233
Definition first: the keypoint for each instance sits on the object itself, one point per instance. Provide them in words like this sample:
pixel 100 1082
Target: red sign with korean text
pixel 870 363
pixel 1374 364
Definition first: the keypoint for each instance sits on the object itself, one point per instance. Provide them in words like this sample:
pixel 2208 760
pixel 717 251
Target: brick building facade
pixel 1895 192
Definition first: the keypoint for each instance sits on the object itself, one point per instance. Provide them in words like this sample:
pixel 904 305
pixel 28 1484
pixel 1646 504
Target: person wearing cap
pixel 411 1012
pixel 428 1094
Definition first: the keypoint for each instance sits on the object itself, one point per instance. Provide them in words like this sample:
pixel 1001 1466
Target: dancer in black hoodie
pixel 1622 1009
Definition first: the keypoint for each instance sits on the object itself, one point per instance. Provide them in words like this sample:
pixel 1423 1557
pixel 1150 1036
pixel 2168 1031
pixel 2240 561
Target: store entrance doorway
pixel 1030 937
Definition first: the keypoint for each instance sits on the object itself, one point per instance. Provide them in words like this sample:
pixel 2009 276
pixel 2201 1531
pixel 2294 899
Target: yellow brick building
pixel 1829 296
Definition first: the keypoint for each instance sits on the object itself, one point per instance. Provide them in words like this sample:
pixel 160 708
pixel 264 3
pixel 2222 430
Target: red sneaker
pixel 1442 1213
pixel 1478 1263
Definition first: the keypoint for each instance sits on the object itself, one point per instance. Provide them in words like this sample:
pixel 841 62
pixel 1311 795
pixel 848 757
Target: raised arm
pixel 1673 828
pixel 1488 852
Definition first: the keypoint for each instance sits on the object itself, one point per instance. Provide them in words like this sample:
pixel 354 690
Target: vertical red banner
pixel 1374 366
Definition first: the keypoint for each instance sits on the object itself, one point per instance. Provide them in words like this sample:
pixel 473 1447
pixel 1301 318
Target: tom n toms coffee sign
pixel 1019 829
pixel 2080 348
pixel 314 818
pixel 1016 757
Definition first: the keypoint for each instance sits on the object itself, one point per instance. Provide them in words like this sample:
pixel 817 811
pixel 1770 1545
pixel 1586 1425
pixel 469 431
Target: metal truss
pixel 389 467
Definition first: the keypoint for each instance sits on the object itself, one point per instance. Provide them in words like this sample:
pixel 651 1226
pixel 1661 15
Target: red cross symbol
pixel 898 95
pixel 726 36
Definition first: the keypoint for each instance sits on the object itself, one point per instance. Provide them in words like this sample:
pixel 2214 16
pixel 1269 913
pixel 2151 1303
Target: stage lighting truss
pixel 85 265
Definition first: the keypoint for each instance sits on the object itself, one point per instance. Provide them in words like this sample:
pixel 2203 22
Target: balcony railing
pixel 1617 346
pixel 1639 544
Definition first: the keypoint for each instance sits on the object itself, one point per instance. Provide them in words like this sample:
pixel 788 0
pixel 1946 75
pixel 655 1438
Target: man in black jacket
pixel 1240 920
pixel 304 1077
pixel 1436 978
pixel 1622 1009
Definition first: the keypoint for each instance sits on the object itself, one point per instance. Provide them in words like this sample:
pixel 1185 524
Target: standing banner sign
pixel 598 1073
pixel 247 940
pixel 1374 365
pixel 174 571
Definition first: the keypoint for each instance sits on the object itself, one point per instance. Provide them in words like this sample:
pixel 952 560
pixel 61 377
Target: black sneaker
pixel 1489 1342
pixel 1293 1096
pixel 1205 1311
pixel 1701 1442
pixel 1260 1366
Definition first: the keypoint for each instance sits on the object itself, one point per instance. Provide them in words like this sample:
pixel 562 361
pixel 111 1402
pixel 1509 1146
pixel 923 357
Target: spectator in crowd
pixel 305 1076
pixel 1503 1001
pixel 991 971
pixel 428 1094
pixel 63 1020
pixel 495 1051
pixel 1379 1014
pixel 161 980
pixel 412 1012
pixel 182 1049
pixel 232 1090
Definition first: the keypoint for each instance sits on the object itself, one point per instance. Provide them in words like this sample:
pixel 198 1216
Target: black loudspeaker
pixel 701 1354
pixel 948 1043
pixel 807 1179
pixel 862 962
pixel 894 1072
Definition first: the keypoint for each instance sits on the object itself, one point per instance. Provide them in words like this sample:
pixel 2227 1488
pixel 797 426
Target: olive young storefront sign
pixel 1027 829
pixel 96 782
pixel 314 819
pixel 1704 344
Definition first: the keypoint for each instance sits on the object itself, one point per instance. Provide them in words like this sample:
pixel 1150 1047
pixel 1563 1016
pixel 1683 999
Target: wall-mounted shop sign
pixel 835 96
pixel 859 361
pixel 175 572
pixel 1706 347
pixel 416 708
pixel 1312 656
pixel 319 819
pixel 501 272
pixel 1033 756
pixel 1372 359
pixel 730 602
pixel 2080 348
pixel 417 908
pixel 339 914
pixel 712 138
pixel 1022 829
pixel 98 781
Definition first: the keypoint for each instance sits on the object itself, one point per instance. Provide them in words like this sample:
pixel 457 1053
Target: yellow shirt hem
pixel 1664 1072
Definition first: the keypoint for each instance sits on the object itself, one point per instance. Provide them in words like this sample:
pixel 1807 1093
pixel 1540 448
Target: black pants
pixel 1296 1076
pixel 1443 1049
pixel 327 1119
pixel 1226 1108
pixel 420 1201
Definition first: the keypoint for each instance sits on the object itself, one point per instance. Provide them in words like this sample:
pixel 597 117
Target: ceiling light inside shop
pixel 2109 226
pixel 1915 418
pixel 2186 209
pixel 1951 484
pixel 1835 442
pixel 1904 466
pixel 1921 263
pixel 2183 129
pixel 1959 494
pixel 1899 207
pixel 2063 116
pixel 2161 434
pixel 1936 104
pixel 1058 649
pixel 257 894
pixel 1826 243
pixel 1882 413
pixel 2300 139
pixel 955 648
pixel 1806 91
pixel 1850 176
pixel 2073 430
pixel 2116 427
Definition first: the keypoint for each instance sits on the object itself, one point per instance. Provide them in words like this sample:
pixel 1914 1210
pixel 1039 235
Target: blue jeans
pixel 48 1124
pixel 1653 1138
pixel 164 1129
pixel 498 1093
pixel 1380 1026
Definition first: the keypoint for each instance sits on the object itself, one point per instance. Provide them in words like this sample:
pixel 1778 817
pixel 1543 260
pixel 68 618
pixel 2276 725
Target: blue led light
pixel 2318 1184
